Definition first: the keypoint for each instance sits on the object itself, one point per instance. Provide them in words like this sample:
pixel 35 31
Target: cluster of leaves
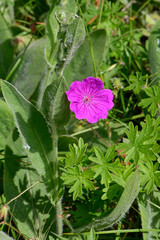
pixel 41 70
pixel 80 172
pixel 140 148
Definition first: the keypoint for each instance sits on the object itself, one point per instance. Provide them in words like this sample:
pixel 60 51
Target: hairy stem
pixel 58 204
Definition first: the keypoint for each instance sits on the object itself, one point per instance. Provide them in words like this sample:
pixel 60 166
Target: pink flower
pixel 89 100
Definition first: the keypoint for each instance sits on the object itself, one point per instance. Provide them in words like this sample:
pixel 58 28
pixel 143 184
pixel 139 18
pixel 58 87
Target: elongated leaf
pixel 6 123
pixel 30 70
pixel 65 32
pixel 4 236
pixel 75 35
pixel 81 65
pixel 6 49
pixel 154 52
pixel 32 211
pixel 52 43
pixel 150 213
pixel 35 135
pixel 128 196
pixel 55 104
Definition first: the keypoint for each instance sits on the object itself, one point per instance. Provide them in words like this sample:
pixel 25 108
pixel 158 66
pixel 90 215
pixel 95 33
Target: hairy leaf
pixel 150 213
pixel 35 135
pixel 6 49
pixel 81 66
pixel 6 123
pixel 32 212
pixel 31 69
pixel 154 52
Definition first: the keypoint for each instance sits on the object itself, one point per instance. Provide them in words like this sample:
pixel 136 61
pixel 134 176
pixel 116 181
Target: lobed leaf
pixel 128 196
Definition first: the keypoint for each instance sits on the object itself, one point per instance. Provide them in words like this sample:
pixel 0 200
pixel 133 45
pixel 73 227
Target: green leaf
pixel 149 175
pixel 136 83
pixel 154 52
pixel 105 164
pixel 52 44
pixel 128 196
pixel 76 155
pixel 31 69
pixel 4 236
pixel 140 142
pixel 55 105
pixel 78 179
pixel 32 212
pixel 59 17
pixel 75 34
pixel 81 65
pixel 6 49
pixel 7 123
pixel 150 214
pixel 153 101
pixel 35 135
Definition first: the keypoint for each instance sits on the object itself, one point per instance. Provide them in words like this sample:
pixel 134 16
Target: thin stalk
pixel 109 145
pixel 131 28
pixel 119 228
pixel 100 14
pixel 117 231
pixel 143 6
pixel 122 100
pixel 13 69
pixel 89 38
pixel 23 192
pixel 14 229
pixel 58 203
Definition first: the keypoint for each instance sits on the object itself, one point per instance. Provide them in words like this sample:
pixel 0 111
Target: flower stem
pixel 58 203
pixel 89 38
pixel 109 145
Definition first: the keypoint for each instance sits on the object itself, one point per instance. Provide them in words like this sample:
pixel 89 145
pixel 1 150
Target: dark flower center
pixel 87 99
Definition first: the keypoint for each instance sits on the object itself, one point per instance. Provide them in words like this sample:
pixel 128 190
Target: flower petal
pixel 91 85
pixel 98 100
pixel 75 93
pixel 79 109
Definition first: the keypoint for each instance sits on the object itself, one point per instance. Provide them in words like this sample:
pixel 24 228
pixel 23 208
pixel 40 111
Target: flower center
pixel 87 99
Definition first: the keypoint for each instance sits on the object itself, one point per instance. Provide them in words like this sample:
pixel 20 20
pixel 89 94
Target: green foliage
pixel 129 194
pixel 105 165
pixel 77 178
pixel 4 236
pixel 150 214
pixel 150 175
pixel 153 101
pixel 36 138
pixel 138 143
pixel 55 105
pixel 7 123
pixel 81 66
pixel 44 47
pixel 154 55
pixel 6 49
pixel 31 216
pixel 136 83
pixel 29 67
pixel 76 155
